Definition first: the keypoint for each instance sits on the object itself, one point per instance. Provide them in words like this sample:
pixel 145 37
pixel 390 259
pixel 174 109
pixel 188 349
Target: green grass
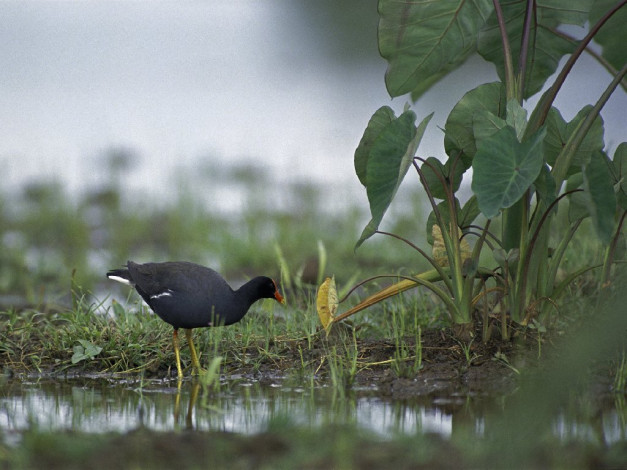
pixel 46 235
pixel 49 241
pixel 53 255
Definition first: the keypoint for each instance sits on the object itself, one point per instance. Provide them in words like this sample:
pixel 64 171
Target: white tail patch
pixel 165 293
pixel 120 279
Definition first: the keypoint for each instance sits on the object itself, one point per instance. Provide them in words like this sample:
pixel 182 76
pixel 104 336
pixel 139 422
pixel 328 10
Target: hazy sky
pixel 218 81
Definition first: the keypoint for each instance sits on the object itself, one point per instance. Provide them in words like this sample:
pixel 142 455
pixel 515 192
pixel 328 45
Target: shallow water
pixel 246 405
pixel 239 405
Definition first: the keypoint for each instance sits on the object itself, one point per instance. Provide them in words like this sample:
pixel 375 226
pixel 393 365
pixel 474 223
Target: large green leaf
pixel 469 212
pixel 388 161
pixel 566 12
pixel 459 137
pixel 558 133
pixel 602 200
pixel 435 173
pixel 486 124
pixel 503 169
pixel 517 118
pixel 381 118
pixel 578 201
pixel 619 174
pixel 464 216
pixel 421 40
pixel 545 186
pixel 547 47
pixel 613 35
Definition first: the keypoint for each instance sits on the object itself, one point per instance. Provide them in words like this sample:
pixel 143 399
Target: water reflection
pixel 243 406
pixel 249 406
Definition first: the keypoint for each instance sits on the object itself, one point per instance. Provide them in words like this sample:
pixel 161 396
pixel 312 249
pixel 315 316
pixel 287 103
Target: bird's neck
pixel 247 294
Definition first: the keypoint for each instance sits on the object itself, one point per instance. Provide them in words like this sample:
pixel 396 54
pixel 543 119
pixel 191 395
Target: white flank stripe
pixel 167 293
pixel 120 279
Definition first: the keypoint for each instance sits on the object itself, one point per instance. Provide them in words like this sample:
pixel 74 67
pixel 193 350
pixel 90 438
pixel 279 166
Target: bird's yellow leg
pixel 177 401
pixel 196 369
pixel 177 353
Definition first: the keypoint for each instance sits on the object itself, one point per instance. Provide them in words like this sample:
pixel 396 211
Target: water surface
pixel 248 406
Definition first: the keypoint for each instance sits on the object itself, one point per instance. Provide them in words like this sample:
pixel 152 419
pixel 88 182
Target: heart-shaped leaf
pixel 439 177
pixel 613 35
pixel 388 161
pixel 619 175
pixel 459 137
pixel 550 45
pixel 86 350
pixel 558 132
pixel 422 41
pixel 577 201
pixel 601 200
pixel 503 169
pixel 381 118
pixel 468 213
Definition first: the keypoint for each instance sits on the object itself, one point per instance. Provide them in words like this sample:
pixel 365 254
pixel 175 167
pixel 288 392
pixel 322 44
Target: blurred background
pixel 222 132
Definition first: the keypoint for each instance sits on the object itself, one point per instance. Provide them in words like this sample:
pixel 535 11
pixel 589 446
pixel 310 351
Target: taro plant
pixel 525 167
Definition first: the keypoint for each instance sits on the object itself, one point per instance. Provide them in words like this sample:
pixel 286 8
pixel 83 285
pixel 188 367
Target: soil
pixel 447 369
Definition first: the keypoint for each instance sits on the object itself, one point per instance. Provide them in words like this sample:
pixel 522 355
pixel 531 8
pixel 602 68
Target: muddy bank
pixel 448 367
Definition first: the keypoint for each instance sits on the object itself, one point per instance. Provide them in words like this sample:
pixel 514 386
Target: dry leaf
pixel 439 249
pixel 327 302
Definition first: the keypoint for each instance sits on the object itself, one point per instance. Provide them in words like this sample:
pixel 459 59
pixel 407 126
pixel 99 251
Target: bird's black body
pixel 187 295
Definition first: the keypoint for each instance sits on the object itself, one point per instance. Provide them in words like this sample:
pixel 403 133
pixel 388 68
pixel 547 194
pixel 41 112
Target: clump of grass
pixel 407 362
pixel 342 363
pixel 42 341
pixel 620 375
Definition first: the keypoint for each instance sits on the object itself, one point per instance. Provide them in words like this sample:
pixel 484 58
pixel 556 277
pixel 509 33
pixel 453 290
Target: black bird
pixel 187 295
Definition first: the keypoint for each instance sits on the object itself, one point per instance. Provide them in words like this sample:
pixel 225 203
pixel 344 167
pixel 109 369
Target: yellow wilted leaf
pixel 439 249
pixel 465 247
pixel 327 302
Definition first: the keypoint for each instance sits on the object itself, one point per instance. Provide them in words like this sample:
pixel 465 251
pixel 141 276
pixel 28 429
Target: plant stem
pixel 526 259
pixel 610 251
pixel 507 53
pixel 563 161
pixel 431 261
pixel 598 57
pixel 524 49
pixel 542 109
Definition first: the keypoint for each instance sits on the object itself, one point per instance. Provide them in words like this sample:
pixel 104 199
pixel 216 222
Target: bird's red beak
pixel 277 294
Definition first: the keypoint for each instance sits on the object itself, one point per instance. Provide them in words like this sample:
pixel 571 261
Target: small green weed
pixel 620 376
pixel 407 359
pixel 342 364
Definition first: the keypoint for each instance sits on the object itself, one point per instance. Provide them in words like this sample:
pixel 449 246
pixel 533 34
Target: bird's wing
pixel 145 277
pixel 155 278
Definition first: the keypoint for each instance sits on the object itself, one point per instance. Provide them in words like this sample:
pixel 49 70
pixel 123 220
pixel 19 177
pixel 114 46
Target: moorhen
pixel 187 295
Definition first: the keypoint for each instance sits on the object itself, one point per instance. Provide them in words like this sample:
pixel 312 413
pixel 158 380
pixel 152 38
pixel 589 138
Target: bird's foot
pixel 195 371
pixel 198 371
